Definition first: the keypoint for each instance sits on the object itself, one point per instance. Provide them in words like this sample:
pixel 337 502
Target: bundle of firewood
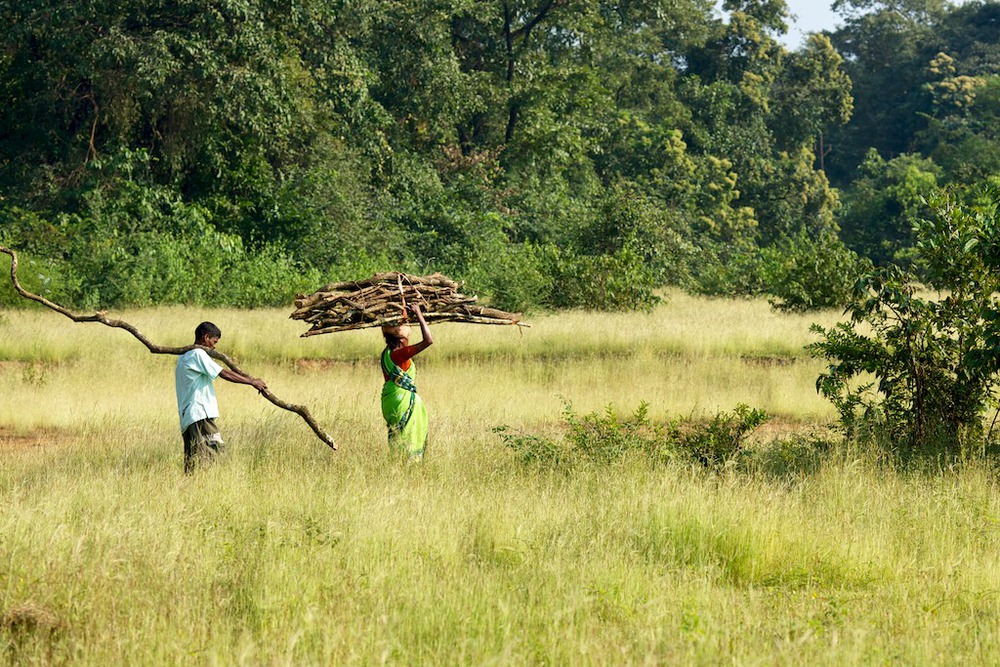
pixel 383 299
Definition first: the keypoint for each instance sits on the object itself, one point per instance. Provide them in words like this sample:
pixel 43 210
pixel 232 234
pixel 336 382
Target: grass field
pixel 289 553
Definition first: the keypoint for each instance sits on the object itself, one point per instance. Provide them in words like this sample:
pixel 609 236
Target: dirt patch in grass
pixel 768 360
pixel 782 427
pixel 13 366
pixel 12 439
pixel 30 617
pixel 312 365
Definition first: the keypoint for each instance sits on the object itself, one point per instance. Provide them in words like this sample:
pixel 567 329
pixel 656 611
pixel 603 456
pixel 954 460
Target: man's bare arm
pixel 239 378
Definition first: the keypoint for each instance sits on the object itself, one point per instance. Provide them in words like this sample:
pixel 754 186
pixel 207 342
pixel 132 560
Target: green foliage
pixel 923 84
pixel 553 154
pixel 791 456
pixel 723 269
pixel 533 449
pixel 719 440
pixel 798 273
pixel 813 92
pixel 886 48
pixel 962 134
pixel 617 281
pixel 621 253
pixel 608 438
pixel 749 105
pixel 915 373
pixel 631 246
pixel 804 274
pixel 142 246
pixel 516 277
pixel 883 205
pixel 30 234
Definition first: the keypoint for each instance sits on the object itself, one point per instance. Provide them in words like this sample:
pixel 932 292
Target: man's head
pixel 207 334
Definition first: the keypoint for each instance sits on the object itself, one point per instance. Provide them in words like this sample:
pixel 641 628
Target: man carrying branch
pixel 197 406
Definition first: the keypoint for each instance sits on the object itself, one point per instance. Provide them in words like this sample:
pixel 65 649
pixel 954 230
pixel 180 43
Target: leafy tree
pixel 886 45
pixel 802 274
pixel 961 135
pixel 971 31
pixel 884 204
pixel 932 360
pixel 812 93
pixel 762 108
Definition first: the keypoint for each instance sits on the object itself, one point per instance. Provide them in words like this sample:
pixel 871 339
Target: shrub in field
pixel 515 276
pixel 916 373
pixel 801 273
pixel 619 281
pixel 534 449
pixel 595 437
pixel 722 437
pixel 790 456
pixel 608 437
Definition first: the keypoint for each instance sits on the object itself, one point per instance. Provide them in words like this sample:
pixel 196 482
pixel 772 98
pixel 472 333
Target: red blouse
pixel 401 357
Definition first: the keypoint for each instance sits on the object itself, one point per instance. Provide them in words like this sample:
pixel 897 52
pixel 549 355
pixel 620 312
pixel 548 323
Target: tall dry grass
pixel 691 356
pixel 288 553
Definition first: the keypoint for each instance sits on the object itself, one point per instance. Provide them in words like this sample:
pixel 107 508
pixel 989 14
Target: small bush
pixel 604 438
pixel 719 440
pixel 789 456
pixel 607 437
pixel 803 274
pixel 533 449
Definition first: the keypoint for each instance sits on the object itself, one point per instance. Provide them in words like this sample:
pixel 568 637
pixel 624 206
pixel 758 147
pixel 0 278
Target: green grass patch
pixel 790 552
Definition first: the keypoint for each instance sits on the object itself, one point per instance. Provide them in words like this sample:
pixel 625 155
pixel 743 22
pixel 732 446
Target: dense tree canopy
pixel 550 152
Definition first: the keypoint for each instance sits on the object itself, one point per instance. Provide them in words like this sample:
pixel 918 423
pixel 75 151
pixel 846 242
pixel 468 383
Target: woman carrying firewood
pixel 402 408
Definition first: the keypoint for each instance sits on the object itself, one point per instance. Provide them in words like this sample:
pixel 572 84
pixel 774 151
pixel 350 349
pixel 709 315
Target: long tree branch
pixel 543 12
pixel 101 317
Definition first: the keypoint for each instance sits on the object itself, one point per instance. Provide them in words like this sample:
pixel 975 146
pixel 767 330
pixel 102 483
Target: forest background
pixel 551 153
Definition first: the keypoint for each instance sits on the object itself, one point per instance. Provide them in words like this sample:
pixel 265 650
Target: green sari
pixel 403 409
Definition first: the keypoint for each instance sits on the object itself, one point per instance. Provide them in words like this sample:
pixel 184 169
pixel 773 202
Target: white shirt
pixel 193 380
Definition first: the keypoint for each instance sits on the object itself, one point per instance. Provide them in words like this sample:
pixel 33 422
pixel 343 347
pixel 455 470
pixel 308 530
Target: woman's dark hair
pixel 207 328
pixel 390 340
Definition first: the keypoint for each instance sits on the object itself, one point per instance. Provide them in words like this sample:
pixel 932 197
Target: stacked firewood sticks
pixel 382 300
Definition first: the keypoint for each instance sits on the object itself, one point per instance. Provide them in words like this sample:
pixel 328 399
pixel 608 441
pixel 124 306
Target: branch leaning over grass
pixel 102 317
